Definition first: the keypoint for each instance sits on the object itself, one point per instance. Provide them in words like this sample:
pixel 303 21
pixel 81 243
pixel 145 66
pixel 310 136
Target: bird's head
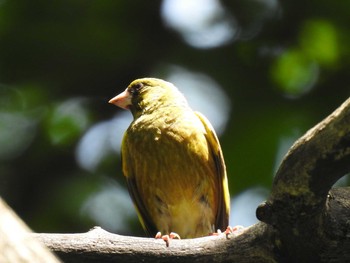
pixel 148 94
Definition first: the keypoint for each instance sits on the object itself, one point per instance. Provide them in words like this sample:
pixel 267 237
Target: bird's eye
pixel 135 89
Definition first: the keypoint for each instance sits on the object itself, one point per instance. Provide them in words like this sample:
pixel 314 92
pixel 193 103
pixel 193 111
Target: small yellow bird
pixel 173 163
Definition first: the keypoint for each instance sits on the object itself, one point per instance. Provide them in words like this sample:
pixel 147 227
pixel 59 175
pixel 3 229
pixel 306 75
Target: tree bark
pixel 302 220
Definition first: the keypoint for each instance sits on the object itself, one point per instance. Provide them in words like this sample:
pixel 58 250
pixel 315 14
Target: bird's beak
pixel 123 100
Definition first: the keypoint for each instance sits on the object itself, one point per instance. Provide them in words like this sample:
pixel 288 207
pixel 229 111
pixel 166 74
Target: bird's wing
pixel 128 172
pixel 222 190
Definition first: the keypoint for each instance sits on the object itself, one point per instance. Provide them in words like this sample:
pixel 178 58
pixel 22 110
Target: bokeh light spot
pixel 243 206
pixel 202 23
pixel 294 73
pixel 110 207
pixel 319 40
pixel 67 121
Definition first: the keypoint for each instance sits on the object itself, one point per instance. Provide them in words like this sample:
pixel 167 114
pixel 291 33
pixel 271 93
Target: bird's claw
pixel 236 230
pixel 167 238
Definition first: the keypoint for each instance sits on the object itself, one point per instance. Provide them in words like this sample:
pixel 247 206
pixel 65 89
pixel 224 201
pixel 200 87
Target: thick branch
pixel 317 160
pixel 300 206
pixel 310 168
pixel 100 246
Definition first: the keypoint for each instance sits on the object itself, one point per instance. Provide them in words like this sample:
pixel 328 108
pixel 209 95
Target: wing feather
pixel 221 184
pixel 134 192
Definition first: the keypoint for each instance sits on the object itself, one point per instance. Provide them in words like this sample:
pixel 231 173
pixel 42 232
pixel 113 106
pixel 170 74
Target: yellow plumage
pixel 172 162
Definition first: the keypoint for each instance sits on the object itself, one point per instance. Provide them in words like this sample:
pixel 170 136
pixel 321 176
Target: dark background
pixel 276 68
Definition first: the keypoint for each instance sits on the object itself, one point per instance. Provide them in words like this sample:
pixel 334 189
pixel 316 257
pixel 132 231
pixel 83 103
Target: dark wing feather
pixel 144 217
pixel 222 191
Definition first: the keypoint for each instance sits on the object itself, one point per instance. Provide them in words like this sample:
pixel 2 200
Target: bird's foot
pixel 167 238
pixel 236 230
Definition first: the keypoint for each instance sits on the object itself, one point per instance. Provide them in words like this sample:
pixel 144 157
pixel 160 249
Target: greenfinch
pixel 173 163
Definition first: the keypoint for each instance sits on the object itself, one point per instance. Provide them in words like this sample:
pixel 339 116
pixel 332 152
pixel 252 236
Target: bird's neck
pixel 160 104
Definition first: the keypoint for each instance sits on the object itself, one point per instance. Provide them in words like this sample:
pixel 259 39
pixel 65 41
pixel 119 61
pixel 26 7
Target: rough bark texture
pixel 302 220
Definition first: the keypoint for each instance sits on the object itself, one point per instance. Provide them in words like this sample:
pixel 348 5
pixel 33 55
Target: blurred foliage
pixel 284 67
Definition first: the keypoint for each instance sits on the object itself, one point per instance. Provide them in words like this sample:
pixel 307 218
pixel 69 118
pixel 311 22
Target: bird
pixel 173 163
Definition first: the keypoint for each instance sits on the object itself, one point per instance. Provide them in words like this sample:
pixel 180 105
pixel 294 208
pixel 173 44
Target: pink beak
pixel 123 100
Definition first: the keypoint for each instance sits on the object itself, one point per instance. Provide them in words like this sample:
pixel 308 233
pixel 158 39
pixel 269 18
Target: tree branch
pixel 99 245
pixel 300 206
pixel 317 160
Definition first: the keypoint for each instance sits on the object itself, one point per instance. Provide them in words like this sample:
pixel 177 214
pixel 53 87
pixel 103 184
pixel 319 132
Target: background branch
pixel 15 244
